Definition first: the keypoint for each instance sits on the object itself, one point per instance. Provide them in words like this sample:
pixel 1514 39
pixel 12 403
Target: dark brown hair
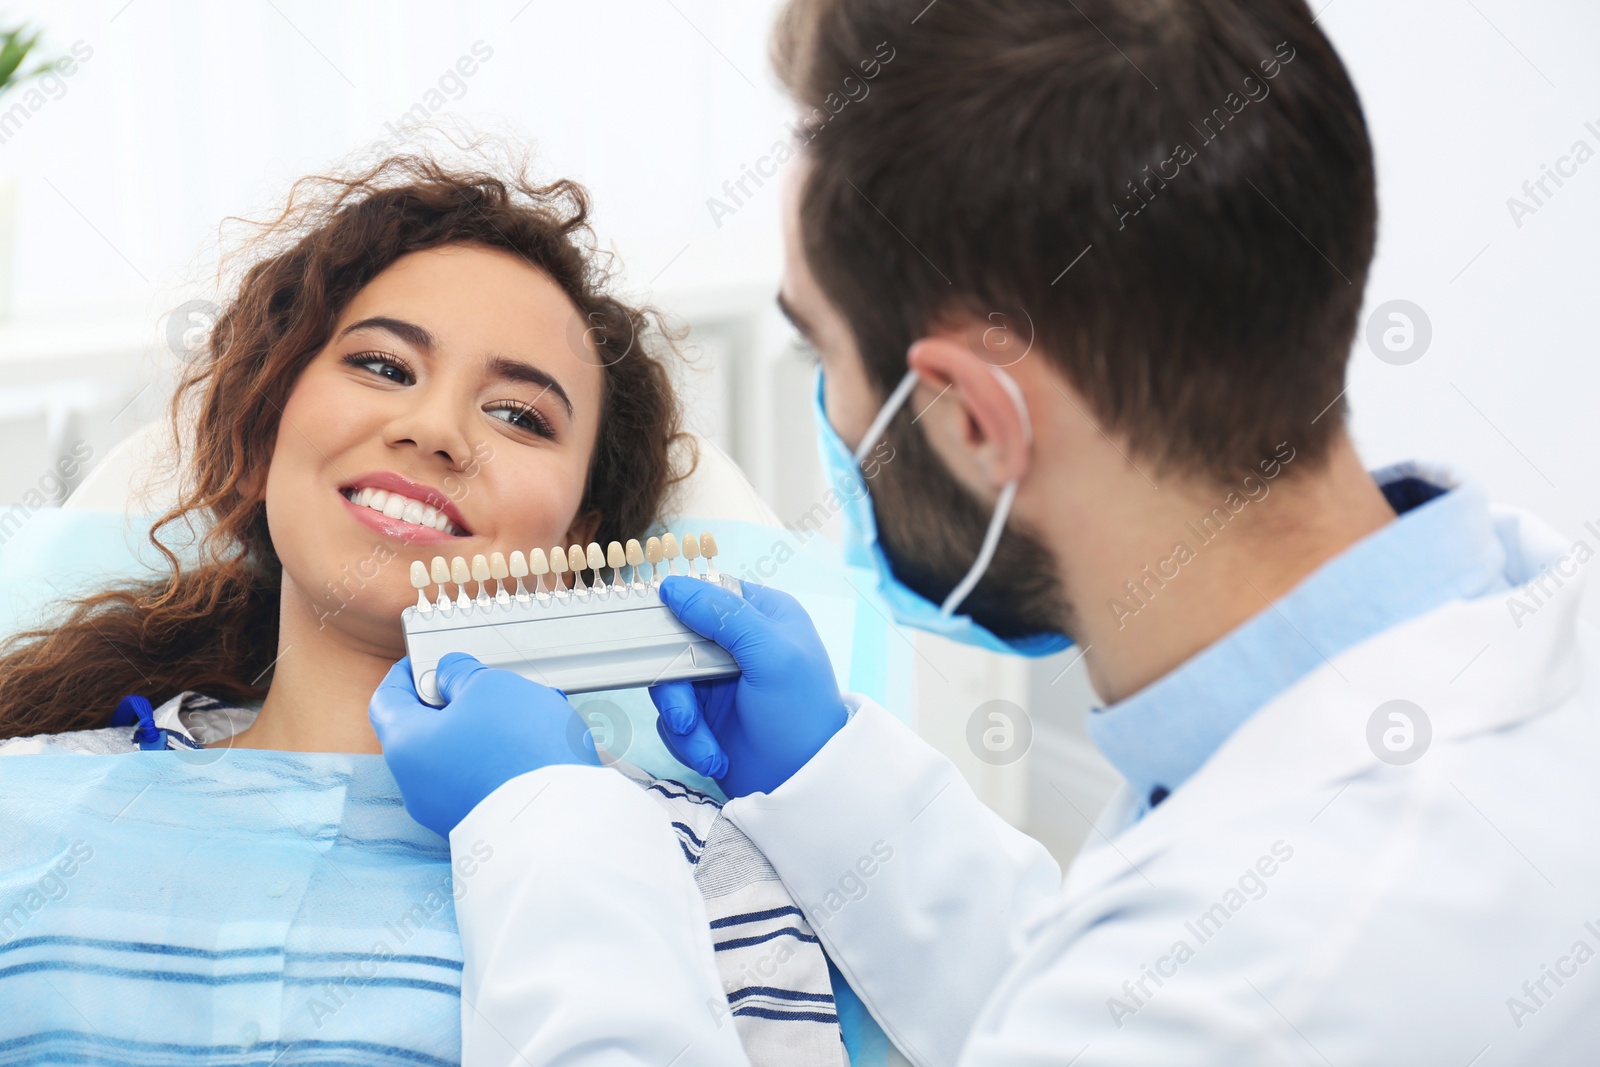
pixel 1191 258
pixel 213 627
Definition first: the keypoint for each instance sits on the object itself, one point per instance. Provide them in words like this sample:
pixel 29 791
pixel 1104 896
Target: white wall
pixel 1466 102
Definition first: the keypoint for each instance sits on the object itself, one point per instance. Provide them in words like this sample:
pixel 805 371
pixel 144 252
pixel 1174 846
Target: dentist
pixel 1094 269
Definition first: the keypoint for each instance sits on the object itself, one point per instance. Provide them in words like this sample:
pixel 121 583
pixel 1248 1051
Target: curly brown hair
pixel 213 626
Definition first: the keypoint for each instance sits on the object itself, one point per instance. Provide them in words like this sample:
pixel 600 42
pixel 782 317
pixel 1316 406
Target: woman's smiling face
pixel 455 378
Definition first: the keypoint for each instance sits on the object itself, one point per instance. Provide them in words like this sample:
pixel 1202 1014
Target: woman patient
pixel 444 337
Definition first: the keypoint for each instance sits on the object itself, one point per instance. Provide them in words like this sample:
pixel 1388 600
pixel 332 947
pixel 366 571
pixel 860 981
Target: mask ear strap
pixel 1014 391
pixel 890 407
pixel 1002 507
pixel 991 541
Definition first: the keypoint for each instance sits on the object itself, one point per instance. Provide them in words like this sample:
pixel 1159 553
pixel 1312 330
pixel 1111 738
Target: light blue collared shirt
pixel 1440 549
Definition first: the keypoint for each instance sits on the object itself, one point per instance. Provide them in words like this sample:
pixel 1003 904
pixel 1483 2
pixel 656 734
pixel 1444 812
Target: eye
pixel 524 416
pixel 384 360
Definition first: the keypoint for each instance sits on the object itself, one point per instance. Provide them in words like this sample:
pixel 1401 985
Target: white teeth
pixel 397 506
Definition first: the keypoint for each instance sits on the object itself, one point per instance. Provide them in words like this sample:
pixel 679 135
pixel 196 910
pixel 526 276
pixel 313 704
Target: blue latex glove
pixel 749 733
pixel 494 726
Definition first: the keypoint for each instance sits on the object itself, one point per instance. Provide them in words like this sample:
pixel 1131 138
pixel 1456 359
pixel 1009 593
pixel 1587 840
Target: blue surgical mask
pixel 861 548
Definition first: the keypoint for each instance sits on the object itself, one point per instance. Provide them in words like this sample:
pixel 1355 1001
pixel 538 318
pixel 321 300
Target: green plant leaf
pixel 12 54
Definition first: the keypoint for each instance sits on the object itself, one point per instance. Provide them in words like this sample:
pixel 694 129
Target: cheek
pixel 534 500
pixel 847 402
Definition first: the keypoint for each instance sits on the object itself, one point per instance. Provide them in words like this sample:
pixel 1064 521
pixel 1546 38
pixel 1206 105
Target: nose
pixel 434 423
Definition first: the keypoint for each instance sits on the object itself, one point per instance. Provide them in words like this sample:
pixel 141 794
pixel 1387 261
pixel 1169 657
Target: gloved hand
pixel 749 733
pixel 494 726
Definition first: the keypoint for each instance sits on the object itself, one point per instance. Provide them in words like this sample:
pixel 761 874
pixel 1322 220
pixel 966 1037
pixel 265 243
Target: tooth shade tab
pixel 480 574
pixel 499 572
pixel 597 561
pixel 708 549
pixel 459 572
pixel 576 560
pixel 441 575
pixel 420 580
pixel 634 554
pixel 556 570
pixel 518 569
pixel 652 551
pixel 691 546
pixel 616 560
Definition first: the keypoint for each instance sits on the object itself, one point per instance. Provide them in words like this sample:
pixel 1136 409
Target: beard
pixel 931 529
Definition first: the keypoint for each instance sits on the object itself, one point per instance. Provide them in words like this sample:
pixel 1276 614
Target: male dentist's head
pixel 1156 220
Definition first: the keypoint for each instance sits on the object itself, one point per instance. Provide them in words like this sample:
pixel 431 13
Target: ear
pixel 583 528
pixel 968 415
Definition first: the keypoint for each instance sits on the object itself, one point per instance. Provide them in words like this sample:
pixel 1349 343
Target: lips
pixel 391 502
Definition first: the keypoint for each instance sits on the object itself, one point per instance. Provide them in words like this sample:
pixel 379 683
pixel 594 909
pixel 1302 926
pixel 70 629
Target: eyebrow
pixel 501 367
pixel 794 318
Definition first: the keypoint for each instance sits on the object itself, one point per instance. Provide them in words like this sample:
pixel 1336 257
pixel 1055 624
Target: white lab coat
pixel 1296 901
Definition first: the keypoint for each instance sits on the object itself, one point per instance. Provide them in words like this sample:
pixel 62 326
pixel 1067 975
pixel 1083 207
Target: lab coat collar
pixel 1441 547
pixel 1471 665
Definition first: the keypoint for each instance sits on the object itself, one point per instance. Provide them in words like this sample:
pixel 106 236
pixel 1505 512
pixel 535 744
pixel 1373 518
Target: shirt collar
pixel 1441 547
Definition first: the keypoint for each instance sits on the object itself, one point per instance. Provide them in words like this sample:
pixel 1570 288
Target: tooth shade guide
pixel 670 552
pixel 460 575
pixel 621 637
